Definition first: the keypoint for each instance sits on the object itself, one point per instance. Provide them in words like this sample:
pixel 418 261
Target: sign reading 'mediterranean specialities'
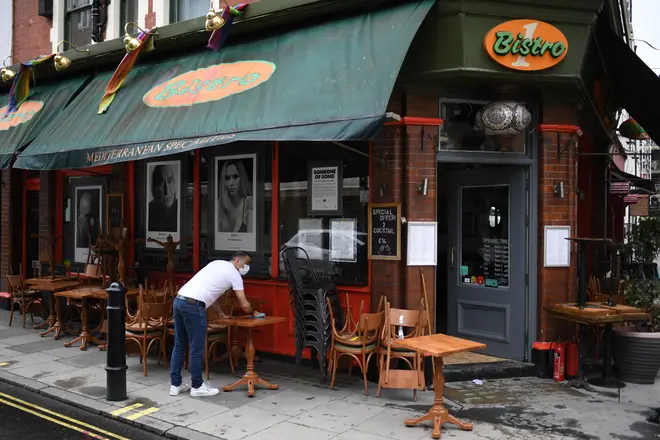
pixel 385 231
pixel 526 45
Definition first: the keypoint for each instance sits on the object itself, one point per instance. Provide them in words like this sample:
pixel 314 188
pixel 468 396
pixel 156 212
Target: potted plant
pixel 637 348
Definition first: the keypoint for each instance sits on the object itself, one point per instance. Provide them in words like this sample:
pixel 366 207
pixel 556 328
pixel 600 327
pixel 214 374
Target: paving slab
pixel 75 377
pixel 25 360
pixel 98 390
pixel 291 403
pixel 155 396
pixel 186 412
pixel 6 353
pixel 389 424
pixel 238 423
pixel 291 431
pixel 181 433
pixel 93 405
pixel 337 416
pixel 358 435
pixel 28 384
pixel 39 346
pixel 41 369
pixel 89 358
pixel 21 339
pixel 154 377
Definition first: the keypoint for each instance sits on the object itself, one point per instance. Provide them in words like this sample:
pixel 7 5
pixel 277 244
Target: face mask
pixel 244 270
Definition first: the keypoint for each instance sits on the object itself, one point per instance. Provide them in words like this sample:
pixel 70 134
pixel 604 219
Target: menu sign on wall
pixel 385 231
pixel 496 262
pixel 324 189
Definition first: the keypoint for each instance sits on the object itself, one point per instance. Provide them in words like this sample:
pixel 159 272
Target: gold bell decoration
pixel 61 62
pixel 213 19
pixel 6 74
pixel 131 43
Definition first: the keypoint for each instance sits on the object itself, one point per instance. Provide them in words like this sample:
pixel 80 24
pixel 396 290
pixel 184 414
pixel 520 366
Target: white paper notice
pixel 325 189
pixel 422 244
pixel 557 248
pixel 310 238
pixel 343 240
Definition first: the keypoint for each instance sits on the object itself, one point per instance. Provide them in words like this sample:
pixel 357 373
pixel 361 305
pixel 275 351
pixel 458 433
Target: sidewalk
pixel 303 408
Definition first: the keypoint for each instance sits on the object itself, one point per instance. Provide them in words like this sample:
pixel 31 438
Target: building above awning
pixel 327 82
pixel 636 86
pixel 619 176
pixel 44 105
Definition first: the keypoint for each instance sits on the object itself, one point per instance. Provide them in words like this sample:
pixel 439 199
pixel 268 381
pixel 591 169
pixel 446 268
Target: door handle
pixel 452 256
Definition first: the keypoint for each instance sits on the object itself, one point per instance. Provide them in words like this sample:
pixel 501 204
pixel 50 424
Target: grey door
pixel 486 292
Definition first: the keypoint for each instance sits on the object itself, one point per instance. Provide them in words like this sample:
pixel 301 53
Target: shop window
pixel 188 9
pixel 78 22
pixel 458 131
pixel 323 201
pixel 236 204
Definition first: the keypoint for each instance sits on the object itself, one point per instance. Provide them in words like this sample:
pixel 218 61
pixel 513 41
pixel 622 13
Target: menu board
pixel 384 231
pixel 496 262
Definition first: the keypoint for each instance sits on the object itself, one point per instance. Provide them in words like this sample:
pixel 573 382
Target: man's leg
pixel 196 327
pixel 180 345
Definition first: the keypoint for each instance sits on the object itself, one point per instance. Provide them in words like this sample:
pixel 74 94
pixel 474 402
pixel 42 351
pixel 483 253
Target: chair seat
pixel 216 328
pixel 135 330
pixel 5 295
pixel 354 348
pixel 401 351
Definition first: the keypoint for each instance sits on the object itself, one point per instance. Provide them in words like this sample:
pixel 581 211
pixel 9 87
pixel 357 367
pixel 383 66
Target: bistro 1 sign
pixel 526 45
pixel 209 84
pixel 25 112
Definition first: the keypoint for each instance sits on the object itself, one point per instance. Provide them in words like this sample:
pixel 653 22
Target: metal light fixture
pixel 61 62
pixel 423 186
pixel 6 74
pixel 213 19
pixel 131 43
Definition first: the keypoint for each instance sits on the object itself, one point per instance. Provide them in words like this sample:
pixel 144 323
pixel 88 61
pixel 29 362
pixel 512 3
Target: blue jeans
pixel 189 327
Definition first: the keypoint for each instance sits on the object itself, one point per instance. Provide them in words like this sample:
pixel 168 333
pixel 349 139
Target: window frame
pixel 67 20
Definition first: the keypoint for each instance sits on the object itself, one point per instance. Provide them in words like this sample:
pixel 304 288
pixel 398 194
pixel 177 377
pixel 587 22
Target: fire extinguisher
pixel 572 359
pixel 559 361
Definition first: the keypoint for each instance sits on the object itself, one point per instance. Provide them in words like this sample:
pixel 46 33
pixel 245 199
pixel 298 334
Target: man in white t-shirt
pixel 190 305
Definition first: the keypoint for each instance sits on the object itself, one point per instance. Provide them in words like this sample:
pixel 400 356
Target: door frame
pixel 530 160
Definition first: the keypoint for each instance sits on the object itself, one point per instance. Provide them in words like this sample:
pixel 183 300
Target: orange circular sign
pixel 24 113
pixel 526 45
pixel 209 84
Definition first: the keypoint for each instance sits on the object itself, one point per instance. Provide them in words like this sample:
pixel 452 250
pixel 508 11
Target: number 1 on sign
pixel 529 33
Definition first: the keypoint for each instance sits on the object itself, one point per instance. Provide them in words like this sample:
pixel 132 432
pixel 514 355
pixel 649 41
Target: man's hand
pixel 256 313
pixel 242 299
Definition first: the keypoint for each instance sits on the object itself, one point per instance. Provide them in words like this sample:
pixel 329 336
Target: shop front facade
pixel 294 136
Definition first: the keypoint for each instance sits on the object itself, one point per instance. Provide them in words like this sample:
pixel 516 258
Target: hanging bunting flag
pixel 147 44
pixel 20 88
pixel 632 130
pixel 219 36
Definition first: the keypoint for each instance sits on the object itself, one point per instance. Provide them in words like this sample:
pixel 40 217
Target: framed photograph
pixel 343 240
pixel 235 219
pixel 422 244
pixel 114 211
pixel 324 184
pixel 163 207
pixel 87 223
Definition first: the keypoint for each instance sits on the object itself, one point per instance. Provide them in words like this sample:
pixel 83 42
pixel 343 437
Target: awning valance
pixel 636 86
pixel 327 82
pixel 44 105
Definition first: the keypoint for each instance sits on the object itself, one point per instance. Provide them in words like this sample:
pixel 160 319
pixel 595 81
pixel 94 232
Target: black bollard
pixel 116 362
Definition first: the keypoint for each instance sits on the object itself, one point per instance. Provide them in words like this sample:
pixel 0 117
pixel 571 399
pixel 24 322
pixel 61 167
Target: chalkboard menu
pixel 496 262
pixel 385 231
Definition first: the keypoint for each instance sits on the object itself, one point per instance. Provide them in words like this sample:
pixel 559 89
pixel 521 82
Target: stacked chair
pixel 311 301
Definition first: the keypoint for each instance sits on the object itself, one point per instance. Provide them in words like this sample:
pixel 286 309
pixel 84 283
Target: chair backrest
pixel 159 311
pixel 92 270
pixel 370 322
pixel 296 266
pixel 15 284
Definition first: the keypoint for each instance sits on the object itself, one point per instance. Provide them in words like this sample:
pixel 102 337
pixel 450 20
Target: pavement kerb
pixel 99 407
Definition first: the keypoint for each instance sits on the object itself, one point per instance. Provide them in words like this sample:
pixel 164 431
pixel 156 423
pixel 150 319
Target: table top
pixel 52 285
pixel 249 322
pixel 602 314
pixel 83 292
pixel 439 345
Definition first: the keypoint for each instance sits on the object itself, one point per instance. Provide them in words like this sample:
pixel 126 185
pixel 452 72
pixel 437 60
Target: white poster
pixel 422 244
pixel 163 204
pixel 557 247
pixel 343 240
pixel 235 213
pixel 310 238
pixel 88 220
pixel 325 189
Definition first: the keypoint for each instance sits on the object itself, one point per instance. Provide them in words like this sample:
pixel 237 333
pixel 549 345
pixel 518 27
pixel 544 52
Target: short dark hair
pixel 240 254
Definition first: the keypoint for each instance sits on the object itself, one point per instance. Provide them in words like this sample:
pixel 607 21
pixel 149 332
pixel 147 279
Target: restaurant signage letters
pixel 209 84
pixel 25 112
pixel 526 45
pixel 385 231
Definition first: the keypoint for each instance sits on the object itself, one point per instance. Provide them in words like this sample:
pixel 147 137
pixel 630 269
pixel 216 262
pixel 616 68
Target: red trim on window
pixel 197 207
pixel 130 209
pixel 59 215
pixel 33 184
pixel 275 213
pixel 417 120
pixel 558 128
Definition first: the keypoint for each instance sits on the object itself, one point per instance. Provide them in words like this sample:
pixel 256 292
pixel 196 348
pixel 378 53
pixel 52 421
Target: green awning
pixel 327 82
pixel 44 105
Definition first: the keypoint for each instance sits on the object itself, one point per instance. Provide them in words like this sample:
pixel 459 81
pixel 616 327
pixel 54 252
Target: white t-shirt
pixel 212 281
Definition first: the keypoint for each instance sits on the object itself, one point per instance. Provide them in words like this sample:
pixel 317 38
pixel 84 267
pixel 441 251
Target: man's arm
pixel 242 299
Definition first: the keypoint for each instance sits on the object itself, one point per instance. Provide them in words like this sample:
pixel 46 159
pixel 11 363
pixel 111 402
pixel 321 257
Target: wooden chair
pixel 414 324
pixel 359 344
pixel 149 329
pixel 25 298
pixel 216 334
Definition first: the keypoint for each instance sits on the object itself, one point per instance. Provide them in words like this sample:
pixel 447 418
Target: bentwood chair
pixel 216 334
pixel 149 330
pixel 23 297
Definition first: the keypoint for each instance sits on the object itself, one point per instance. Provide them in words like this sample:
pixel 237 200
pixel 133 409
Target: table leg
pixel 59 321
pixel 607 381
pixel 250 378
pixel 438 413
pixel 85 337
pixel 52 318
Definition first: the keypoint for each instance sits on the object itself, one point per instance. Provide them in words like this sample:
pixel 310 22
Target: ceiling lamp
pixel 502 118
pixel 61 62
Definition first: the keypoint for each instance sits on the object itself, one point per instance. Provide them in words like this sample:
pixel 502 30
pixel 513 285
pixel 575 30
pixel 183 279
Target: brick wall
pixel 31 36
pixel 46 211
pixel 10 222
pixel 556 284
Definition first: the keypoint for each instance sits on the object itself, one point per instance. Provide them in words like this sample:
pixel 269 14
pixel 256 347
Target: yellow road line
pixel 4 364
pixel 142 413
pixel 126 409
pixel 63 417
pixel 50 419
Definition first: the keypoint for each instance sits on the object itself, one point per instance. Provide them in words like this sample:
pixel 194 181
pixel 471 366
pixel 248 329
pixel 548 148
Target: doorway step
pixel 469 366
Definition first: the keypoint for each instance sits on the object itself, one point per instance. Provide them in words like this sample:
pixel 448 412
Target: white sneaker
pixel 175 391
pixel 206 390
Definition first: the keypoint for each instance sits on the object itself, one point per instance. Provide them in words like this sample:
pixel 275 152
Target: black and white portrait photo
pixel 235 215
pixel 88 219
pixel 163 181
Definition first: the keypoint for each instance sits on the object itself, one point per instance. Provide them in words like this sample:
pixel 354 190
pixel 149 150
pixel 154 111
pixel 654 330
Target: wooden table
pixel 49 287
pixel 250 378
pixel 596 313
pixel 439 345
pixel 83 294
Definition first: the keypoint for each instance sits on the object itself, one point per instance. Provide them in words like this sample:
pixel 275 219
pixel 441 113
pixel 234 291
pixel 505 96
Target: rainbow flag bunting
pixel 20 88
pixel 219 36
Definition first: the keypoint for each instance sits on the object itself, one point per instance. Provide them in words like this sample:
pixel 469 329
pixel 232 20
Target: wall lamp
pixel 61 62
pixel 423 186
pixel 558 189
pixel 132 43
pixel 6 74
pixel 213 19
pixel 382 189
